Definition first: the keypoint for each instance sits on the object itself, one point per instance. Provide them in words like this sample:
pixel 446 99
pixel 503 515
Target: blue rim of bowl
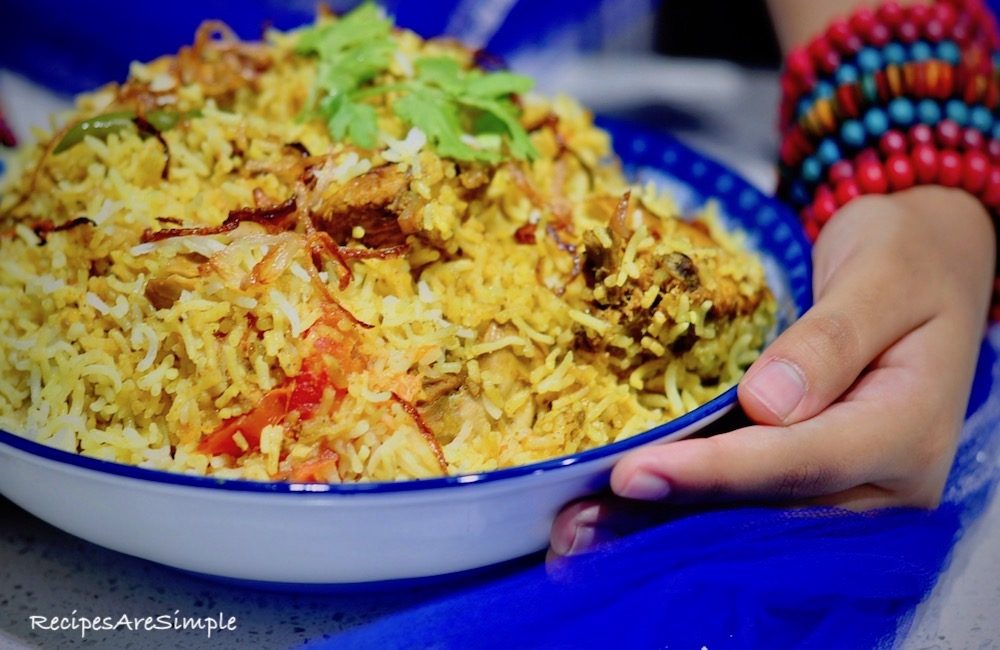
pixel 638 147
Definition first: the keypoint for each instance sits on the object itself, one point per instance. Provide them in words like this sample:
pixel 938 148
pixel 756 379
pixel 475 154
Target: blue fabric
pixel 728 578
pixel 71 47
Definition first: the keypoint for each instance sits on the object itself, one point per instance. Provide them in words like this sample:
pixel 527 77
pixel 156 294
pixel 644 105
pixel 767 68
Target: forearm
pixel 796 21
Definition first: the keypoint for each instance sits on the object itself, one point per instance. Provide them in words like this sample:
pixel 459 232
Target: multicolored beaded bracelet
pixel 870 60
pixel 890 98
pixel 830 166
pixel 962 22
pixel 927 79
pixel 901 112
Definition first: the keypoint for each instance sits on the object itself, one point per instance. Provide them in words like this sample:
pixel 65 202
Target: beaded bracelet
pixel 890 98
pixel 969 82
pixel 898 61
pixel 922 164
pixel 944 92
pixel 963 22
pixel 976 125
pixel 947 134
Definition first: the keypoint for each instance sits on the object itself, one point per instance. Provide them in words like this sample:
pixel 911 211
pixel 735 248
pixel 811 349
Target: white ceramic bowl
pixel 302 534
pixel 281 534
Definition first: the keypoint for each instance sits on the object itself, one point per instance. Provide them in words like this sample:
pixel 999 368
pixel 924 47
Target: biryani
pixel 346 253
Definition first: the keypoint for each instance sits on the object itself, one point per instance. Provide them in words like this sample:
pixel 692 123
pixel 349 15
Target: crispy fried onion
pixel 37 168
pixel 425 430
pixel 218 61
pixel 146 128
pixel 619 220
pixel 272 218
pixel 561 222
pixel 289 228
pixel 281 251
pixel 43 228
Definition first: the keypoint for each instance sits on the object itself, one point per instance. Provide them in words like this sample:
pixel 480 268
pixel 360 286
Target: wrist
pixel 958 223
pixel 942 239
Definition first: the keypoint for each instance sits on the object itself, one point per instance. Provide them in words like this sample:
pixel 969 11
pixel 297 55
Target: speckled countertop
pixel 45 572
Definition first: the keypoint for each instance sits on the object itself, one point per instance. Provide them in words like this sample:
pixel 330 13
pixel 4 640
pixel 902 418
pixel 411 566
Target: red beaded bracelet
pixel 7 138
pixel 922 143
pixel 923 164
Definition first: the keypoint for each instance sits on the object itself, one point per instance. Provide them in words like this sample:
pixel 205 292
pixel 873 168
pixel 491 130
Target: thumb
pixel 818 358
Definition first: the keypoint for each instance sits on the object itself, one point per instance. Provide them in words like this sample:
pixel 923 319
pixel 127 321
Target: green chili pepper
pixel 102 126
pixel 166 120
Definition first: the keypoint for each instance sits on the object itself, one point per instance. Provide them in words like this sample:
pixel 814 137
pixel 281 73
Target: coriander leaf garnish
pixel 362 25
pixel 347 119
pixel 506 114
pixel 497 84
pixel 433 114
pixel 466 114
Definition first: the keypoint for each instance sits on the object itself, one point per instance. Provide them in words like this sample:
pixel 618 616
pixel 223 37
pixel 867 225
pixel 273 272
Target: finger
pixel 590 523
pixel 850 444
pixel 818 358
pixel 573 528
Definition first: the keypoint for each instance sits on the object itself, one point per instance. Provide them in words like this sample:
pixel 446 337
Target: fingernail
pixel 563 545
pixel 583 539
pixel 588 537
pixel 779 386
pixel 646 487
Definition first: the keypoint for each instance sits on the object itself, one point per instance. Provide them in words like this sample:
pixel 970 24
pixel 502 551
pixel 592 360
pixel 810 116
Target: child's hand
pixel 860 402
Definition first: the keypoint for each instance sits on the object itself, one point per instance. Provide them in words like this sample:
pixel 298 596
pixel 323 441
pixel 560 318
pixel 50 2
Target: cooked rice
pixel 490 332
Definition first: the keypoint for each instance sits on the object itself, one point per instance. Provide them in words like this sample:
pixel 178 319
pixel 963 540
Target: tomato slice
pixel 302 393
pixel 308 394
pixel 316 470
pixel 271 410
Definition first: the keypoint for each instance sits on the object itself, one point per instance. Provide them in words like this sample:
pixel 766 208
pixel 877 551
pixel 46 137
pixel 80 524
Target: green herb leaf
pixel 498 84
pixel 346 71
pixel 485 92
pixel 466 114
pixel 433 114
pixel 348 119
pixel 505 113
pixel 443 72
pixel 366 23
pixel 352 51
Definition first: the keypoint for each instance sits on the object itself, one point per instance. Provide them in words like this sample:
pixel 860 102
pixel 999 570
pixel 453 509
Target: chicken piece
pixel 700 274
pixel 379 201
pixel 449 412
pixel 435 389
pixel 180 275
pixel 452 402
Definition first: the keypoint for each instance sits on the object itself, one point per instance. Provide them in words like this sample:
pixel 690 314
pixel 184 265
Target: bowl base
pixel 430 583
